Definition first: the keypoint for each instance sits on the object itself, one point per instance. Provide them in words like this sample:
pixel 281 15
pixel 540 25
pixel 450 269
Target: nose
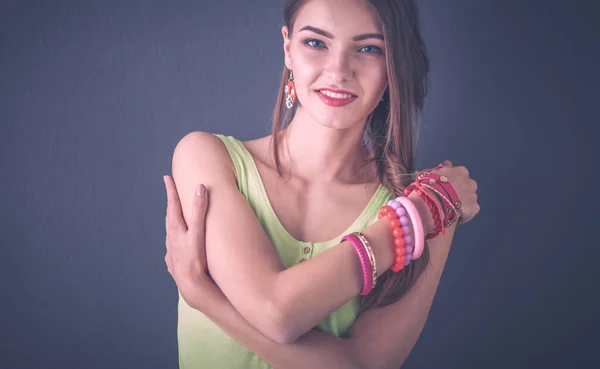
pixel 339 67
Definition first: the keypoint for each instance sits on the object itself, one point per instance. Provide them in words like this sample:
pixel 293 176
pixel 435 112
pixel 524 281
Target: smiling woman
pixel 305 272
pixel 337 63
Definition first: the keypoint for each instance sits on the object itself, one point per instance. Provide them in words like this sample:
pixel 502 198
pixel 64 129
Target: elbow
pixel 280 328
pixel 283 337
pixel 277 316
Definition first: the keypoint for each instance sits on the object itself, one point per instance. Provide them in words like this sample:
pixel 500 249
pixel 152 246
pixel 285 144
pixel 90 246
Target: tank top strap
pixel 250 184
pixel 241 160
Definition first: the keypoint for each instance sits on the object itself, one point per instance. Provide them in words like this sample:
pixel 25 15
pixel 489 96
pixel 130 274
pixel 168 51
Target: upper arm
pixel 240 255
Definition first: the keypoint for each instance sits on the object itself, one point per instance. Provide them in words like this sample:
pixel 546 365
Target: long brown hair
pixel 390 127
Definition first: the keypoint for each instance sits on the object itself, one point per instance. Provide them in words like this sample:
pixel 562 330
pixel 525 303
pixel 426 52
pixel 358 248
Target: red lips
pixel 335 101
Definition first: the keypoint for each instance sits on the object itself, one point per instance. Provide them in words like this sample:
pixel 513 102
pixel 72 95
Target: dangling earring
pixel 290 92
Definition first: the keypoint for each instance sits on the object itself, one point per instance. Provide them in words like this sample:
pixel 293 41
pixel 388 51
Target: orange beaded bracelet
pixel 399 241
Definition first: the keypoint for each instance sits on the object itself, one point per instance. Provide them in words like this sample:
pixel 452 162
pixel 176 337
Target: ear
pixel 286 47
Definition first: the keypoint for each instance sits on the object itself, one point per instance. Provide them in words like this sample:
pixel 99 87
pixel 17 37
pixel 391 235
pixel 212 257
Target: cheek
pixel 306 68
pixel 374 80
pixel 378 74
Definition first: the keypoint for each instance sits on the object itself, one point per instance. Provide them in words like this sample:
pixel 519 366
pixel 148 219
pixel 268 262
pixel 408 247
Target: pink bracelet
pixel 364 262
pixel 417 226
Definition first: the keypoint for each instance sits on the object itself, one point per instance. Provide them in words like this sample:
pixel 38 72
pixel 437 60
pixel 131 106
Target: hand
pixel 465 187
pixel 186 253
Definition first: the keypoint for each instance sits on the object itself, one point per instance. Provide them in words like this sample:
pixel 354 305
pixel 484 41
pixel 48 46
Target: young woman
pixel 286 288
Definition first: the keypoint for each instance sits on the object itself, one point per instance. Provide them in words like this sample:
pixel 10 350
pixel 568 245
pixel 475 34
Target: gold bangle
pixel 364 241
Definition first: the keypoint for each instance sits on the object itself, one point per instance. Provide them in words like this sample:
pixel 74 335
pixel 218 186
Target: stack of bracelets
pixel 404 218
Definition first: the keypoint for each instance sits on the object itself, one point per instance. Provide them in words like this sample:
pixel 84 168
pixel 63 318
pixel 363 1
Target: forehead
pixel 339 16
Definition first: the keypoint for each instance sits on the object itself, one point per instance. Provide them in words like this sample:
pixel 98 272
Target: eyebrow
pixel 362 37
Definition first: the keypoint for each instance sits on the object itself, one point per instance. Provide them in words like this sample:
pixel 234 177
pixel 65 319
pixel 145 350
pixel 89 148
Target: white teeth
pixel 334 95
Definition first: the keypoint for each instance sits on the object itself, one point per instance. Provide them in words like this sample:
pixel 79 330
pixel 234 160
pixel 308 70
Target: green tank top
pixel 202 344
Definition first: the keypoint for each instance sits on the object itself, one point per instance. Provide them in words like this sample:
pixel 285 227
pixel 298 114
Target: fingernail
pixel 200 190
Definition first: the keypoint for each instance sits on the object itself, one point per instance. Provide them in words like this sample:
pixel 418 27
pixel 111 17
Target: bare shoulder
pixel 197 145
pixel 201 157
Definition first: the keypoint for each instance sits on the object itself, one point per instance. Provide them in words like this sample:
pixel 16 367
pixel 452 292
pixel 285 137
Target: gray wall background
pixel 95 95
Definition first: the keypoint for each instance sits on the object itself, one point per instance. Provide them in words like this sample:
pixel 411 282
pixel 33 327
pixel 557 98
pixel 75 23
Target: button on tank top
pixel 201 343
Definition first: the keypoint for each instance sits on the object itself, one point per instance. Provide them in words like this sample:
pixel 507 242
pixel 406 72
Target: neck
pixel 318 154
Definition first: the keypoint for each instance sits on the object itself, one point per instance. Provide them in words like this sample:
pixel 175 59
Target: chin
pixel 338 119
pixel 336 123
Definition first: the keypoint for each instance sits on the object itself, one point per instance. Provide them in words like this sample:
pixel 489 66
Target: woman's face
pixel 337 56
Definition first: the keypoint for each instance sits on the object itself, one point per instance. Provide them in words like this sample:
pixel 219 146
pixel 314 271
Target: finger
pixel 447 163
pixel 168 263
pixel 199 208
pixel 174 219
pixel 168 252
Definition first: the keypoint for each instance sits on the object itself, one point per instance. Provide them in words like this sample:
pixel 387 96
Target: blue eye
pixel 372 49
pixel 316 44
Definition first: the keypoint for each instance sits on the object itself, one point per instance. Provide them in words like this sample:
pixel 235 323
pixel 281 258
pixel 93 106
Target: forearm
pixel 312 350
pixel 310 291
